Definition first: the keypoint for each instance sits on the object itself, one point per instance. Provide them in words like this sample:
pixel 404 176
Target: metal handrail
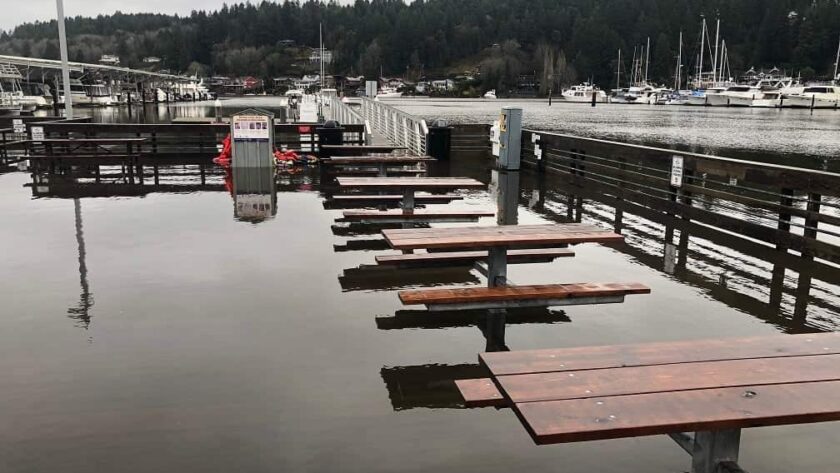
pixel 398 127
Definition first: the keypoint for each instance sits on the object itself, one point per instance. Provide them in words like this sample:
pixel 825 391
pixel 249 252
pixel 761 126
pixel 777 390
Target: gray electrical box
pixel 510 138
pixel 252 138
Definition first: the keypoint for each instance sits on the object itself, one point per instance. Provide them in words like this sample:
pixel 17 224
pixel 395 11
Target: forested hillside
pixel 576 39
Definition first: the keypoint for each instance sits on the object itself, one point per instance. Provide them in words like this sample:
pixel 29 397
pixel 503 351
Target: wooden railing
pixel 180 140
pixel 792 210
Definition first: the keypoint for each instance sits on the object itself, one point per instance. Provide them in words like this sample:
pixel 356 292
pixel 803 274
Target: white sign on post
pixel 18 125
pixel 676 171
pixel 251 127
pixel 37 133
pixel 494 138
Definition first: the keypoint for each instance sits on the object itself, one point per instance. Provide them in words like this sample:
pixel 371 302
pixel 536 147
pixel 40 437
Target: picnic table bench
pixel 469 258
pixel 381 165
pixel 711 387
pixel 356 150
pixel 408 185
pixel 401 215
pixel 388 200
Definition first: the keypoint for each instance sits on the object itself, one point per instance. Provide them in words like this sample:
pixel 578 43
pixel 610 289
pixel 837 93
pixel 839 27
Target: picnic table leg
pixel 716 451
pixel 497 267
pixel 408 200
pixel 382 172
pixel 408 207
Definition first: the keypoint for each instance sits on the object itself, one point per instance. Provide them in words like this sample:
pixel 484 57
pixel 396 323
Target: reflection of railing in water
pixel 396 126
pixel 179 141
pixel 740 230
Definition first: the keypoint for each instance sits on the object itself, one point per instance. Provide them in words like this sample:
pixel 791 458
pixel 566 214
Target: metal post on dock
pixel 510 139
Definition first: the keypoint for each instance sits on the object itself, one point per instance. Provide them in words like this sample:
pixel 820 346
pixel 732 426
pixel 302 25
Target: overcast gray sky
pixel 15 12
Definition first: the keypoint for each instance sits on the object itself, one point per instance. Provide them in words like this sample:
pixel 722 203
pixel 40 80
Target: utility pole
pixel 65 68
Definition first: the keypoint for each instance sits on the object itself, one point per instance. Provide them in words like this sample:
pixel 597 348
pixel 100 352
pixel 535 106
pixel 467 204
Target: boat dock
pixel 769 233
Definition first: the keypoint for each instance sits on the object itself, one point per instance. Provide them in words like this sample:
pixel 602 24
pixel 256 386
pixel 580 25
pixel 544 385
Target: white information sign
pixel 37 133
pixel 18 125
pixel 676 171
pixel 250 127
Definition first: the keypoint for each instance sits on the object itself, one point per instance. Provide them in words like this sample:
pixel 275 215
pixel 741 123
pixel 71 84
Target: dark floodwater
pixel 785 136
pixel 161 333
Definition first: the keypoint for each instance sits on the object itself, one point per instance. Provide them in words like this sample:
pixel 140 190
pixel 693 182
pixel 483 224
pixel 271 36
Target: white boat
pixel 78 93
pixel 490 94
pixel 100 95
pixel 194 90
pixel 387 92
pixel 583 93
pixel 816 96
pixel 10 91
pixel 36 95
pixel 294 93
pixel 642 94
pixel 702 97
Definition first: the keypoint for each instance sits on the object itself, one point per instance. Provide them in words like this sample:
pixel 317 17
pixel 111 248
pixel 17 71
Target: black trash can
pixel 331 133
pixel 439 141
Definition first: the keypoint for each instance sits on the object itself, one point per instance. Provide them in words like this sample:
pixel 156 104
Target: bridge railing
pixel 396 126
pixel 347 115
pixel 793 211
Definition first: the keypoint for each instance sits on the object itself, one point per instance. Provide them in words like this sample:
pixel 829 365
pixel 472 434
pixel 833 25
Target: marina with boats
pixel 715 86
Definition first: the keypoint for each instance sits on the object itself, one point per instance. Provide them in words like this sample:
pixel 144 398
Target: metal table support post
pixel 408 199
pixel 714 448
pixel 497 267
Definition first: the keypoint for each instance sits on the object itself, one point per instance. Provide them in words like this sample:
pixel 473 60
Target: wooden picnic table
pixel 497 240
pixel 712 387
pixel 409 185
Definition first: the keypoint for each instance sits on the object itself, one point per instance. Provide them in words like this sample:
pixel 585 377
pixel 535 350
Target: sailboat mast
pixel 717 39
pixel 618 72
pixel 321 37
pixel 647 59
pixel 702 47
pixel 679 66
pixel 633 70
pixel 837 63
